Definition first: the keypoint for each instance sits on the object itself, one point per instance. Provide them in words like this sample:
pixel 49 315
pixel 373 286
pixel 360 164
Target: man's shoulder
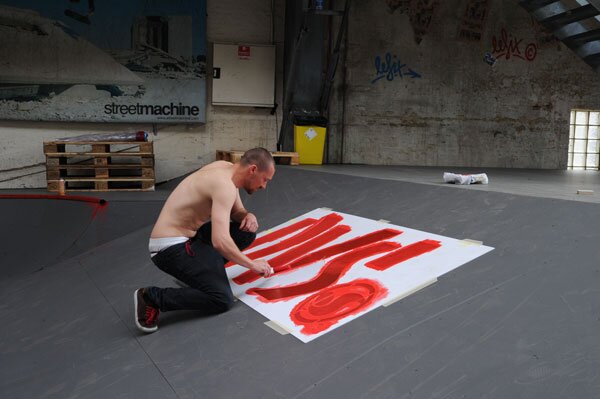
pixel 214 179
pixel 216 165
pixel 213 170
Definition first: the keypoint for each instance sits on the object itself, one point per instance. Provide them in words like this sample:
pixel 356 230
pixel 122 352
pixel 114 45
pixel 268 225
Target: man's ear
pixel 252 169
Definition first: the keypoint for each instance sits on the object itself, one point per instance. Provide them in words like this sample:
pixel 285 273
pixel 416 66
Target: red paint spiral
pixel 327 307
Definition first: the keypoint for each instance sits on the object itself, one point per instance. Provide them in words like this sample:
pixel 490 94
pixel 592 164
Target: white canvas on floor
pixel 344 290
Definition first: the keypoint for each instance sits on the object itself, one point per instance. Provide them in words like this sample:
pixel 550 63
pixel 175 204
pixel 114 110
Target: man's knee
pixel 222 303
pixel 243 239
pixel 247 239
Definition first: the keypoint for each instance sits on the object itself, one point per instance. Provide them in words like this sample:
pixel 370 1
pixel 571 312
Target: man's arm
pixel 223 200
pixel 246 219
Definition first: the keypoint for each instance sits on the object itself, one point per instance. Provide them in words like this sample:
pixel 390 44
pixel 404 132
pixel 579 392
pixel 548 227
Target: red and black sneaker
pixel 146 315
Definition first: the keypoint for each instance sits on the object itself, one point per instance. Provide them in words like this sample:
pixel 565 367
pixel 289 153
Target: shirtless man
pixel 202 225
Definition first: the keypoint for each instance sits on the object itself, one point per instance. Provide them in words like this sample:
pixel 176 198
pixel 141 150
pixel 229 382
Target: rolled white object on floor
pixel 479 178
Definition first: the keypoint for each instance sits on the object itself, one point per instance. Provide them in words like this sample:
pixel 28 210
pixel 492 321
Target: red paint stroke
pixel 322 225
pixel 322 310
pixel 342 247
pixel 329 274
pixel 313 257
pixel 79 198
pixel 288 256
pixel 282 232
pixel 402 254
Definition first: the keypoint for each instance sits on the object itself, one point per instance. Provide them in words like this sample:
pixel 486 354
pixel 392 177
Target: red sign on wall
pixel 244 52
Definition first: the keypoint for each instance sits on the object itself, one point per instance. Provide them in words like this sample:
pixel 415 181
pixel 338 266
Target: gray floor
pixel 522 321
pixel 560 184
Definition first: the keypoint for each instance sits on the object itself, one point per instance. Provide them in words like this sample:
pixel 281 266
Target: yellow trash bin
pixel 309 142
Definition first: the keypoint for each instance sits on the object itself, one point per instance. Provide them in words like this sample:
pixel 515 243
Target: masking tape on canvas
pixel 468 241
pixel 281 329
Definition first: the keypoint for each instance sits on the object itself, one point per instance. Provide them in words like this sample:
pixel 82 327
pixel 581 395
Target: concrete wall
pixel 179 148
pixel 461 111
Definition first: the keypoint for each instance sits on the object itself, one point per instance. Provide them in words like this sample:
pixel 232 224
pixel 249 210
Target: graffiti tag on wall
pixel 390 67
pixel 473 20
pixel 507 46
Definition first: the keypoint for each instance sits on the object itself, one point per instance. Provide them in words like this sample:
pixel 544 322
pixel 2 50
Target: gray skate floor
pixel 522 321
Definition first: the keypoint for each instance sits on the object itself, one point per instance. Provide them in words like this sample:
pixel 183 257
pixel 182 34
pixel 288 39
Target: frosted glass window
pixel 584 140
pixel 579 146
pixel 580 132
pixel 579 160
pixel 581 118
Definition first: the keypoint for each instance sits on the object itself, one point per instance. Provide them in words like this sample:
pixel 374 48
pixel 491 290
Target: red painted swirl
pixel 327 307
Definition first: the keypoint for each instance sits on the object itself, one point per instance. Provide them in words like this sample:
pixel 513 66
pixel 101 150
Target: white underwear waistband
pixel 155 245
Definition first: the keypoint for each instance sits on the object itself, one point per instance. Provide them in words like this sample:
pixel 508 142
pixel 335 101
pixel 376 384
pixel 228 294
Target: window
pixel 584 139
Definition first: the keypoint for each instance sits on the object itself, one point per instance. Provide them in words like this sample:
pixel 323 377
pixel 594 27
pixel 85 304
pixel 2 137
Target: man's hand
pixel 262 267
pixel 249 223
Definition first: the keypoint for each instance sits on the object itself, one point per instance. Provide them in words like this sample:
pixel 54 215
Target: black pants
pixel 200 266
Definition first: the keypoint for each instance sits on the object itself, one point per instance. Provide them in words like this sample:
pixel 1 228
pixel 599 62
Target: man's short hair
pixel 257 156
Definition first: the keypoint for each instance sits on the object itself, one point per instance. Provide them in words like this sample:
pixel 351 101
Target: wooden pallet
pixel 100 166
pixel 282 158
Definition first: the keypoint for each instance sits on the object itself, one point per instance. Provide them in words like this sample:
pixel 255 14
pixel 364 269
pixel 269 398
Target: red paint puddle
pixel 322 225
pixel 282 232
pixel 403 254
pixel 296 252
pixel 329 274
pixel 322 310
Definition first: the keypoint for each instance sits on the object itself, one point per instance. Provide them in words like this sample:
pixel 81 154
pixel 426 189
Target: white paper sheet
pixel 340 299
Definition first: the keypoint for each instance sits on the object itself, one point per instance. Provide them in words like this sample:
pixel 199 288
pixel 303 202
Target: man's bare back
pixel 189 205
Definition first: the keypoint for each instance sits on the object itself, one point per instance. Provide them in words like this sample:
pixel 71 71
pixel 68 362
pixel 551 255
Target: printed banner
pixel 103 61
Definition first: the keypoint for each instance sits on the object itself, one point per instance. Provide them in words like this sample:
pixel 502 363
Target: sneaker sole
pixel 137 323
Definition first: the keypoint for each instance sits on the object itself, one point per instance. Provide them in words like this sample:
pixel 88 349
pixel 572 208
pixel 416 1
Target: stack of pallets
pixel 100 166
